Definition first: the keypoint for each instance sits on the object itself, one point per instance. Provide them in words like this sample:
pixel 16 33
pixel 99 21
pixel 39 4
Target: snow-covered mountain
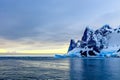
pixel 104 41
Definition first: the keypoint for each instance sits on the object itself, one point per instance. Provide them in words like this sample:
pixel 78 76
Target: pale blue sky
pixel 44 24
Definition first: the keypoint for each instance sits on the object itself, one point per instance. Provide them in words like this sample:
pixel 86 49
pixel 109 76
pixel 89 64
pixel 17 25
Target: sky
pixel 46 26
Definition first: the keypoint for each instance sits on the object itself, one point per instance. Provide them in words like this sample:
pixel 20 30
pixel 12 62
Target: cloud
pixel 40 24
pixel 111 18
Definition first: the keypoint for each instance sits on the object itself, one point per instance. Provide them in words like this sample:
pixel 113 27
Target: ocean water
pixel 49 68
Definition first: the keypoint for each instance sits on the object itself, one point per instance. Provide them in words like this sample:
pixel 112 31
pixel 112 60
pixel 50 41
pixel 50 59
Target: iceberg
pixel 103 42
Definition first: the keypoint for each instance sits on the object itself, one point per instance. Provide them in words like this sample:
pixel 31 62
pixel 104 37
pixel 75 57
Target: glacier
pixel 103 42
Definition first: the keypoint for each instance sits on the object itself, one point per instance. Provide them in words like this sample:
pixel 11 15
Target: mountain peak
pixel 87 33
pixel 104 30
pixel 88 29
pixel 72 45
pixel 106 27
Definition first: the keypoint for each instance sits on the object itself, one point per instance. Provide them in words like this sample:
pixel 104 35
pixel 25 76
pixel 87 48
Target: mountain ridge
pixel 93 42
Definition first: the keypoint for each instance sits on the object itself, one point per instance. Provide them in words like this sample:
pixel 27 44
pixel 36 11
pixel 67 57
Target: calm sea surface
pixel 49 68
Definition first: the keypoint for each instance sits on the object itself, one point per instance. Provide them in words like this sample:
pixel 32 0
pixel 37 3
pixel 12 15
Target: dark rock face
pixel 83 44
pixel 95 39
pixel 87 33
pixel 105 30
pixel 102 35
pixel 91 53
pixel 91 42
pixel 87 38
pixel 96 49
pixel 118 50
pixel 72 45
pixel 84 38
pixel 84 54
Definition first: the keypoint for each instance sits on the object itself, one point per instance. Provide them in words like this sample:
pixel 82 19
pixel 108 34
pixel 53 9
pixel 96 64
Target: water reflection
pixel 30 68
pixel 95 69
pixel 59 69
